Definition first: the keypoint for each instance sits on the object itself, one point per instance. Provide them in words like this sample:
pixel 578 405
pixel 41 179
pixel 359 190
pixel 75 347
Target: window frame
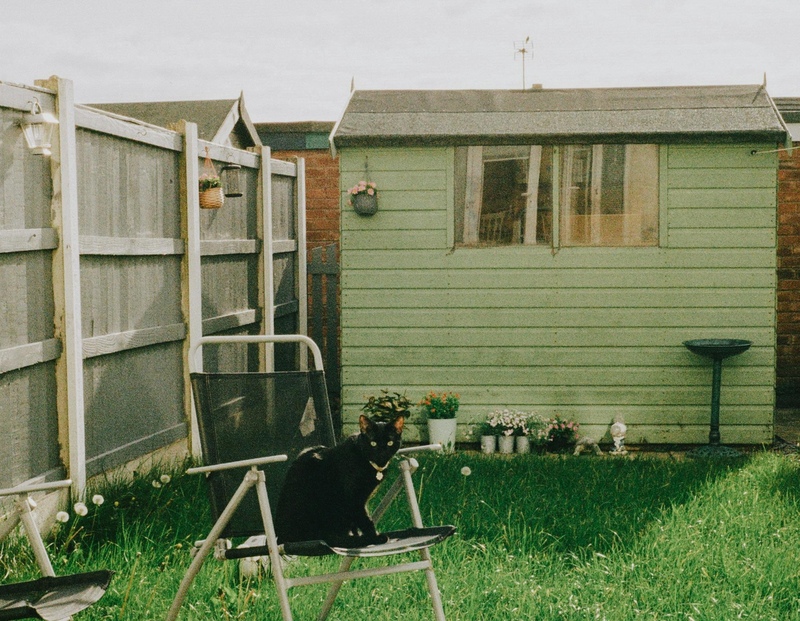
pixel 655 168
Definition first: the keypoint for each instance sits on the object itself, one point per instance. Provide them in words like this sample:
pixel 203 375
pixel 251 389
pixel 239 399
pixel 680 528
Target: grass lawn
pixel 538 538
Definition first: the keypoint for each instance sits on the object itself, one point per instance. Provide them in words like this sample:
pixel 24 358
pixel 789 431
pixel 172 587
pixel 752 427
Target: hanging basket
pixel 213 198
pixel 365 204
pixel 211 193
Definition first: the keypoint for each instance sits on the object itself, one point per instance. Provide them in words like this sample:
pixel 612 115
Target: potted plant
pixel 508 423
pixel 562 434
pixel 489 434
pixel 440 411
pixel 386 406
pixel 211 195
pixel 364 198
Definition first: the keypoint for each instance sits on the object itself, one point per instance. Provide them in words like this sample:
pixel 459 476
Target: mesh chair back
pixel 249 415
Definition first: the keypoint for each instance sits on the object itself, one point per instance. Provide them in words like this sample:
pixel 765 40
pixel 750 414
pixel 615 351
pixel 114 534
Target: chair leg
pixel 272 543
pixel 197 562
pixel 333 590
pixel 433 587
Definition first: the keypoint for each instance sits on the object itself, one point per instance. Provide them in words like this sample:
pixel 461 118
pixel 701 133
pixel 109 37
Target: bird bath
pixel 717 350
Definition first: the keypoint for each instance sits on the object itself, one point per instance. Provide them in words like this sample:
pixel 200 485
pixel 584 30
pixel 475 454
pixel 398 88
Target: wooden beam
pixel 282 246
pixel 28 240
pixel 67 286
pixel 132 339
pixel 19 97
pixel 287 308
pixel 123 127
pixel 266 280
pixel 130 246
pixel 222 153
pixel 21 356
pixel 302 258
pixel 283 168
pixel 220 247
pixel 230 321
pixel 191 282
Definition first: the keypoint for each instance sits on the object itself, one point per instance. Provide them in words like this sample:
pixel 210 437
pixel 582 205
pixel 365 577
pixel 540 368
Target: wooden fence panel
pixel 28 412
pixel 129 223
pixel 323 323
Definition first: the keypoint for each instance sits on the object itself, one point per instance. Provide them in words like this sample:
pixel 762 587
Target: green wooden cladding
pixel 588 333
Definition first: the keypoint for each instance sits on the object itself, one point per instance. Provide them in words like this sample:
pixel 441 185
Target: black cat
pixel 326 490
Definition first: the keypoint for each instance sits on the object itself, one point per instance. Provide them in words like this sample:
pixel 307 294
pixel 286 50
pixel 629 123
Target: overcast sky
pixel 294 59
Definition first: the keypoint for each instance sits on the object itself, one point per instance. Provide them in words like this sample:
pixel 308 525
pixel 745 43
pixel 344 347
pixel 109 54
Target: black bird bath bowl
pixel 717 350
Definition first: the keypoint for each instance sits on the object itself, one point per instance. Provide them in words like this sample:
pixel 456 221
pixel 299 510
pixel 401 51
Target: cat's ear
pixel 398 423
pixel 364 423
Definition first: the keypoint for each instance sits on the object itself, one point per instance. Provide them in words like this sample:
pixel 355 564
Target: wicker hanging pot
pixel 211 193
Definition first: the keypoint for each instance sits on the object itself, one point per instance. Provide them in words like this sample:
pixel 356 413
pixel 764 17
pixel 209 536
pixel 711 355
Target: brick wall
pixel 788 353
pixel 322 195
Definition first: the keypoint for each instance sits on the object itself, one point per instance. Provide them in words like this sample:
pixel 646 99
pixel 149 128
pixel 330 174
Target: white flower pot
pixel 442 431
pixel 506 444
pixel 488 444
pixel 523 444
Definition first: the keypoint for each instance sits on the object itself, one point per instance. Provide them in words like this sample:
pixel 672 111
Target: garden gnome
pixel 618 430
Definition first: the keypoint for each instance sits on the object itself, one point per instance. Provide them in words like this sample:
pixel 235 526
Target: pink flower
pixel 370 191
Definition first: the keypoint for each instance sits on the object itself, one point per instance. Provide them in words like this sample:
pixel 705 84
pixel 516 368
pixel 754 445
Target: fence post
pixel 266 283
pixel 191 282
pixel 67 285
pixel 302 257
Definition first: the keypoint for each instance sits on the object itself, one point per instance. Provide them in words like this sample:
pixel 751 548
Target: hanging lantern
pixel 37 127
pixel 231 180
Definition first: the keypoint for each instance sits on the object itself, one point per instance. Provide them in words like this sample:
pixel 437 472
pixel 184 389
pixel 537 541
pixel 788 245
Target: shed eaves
pixel 662 114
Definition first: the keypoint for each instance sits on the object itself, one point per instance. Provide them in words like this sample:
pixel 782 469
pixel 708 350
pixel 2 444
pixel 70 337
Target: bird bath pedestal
pixel 717 350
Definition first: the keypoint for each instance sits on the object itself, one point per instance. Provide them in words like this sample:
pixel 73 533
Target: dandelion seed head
pixel 80 509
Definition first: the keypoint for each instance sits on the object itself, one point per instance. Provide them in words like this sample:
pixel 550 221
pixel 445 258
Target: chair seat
pixel 407 540
pixel 52 598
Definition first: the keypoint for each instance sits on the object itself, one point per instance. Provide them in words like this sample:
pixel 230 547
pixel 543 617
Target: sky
pixel 295 60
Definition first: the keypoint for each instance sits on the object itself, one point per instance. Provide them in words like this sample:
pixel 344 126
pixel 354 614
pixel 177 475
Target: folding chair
pixel 249 420
pixel 51 598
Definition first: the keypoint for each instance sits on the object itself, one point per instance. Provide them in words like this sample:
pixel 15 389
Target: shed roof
pixel 215 118
pixel 656 114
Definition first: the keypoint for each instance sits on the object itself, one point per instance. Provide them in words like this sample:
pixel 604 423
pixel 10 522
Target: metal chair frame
pixel 255 477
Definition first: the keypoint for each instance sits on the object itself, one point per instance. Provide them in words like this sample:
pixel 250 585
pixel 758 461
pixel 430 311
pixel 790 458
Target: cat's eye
pixel 373 443
pixel 390 443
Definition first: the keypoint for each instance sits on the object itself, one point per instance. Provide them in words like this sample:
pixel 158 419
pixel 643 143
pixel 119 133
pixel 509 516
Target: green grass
pixel 538 538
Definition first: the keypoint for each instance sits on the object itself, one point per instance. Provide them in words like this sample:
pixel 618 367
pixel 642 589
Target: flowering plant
pixel 209 181
pixel 363 187
pixel 386 406
pixel 444 405
pixel 506 423
pixel 561 432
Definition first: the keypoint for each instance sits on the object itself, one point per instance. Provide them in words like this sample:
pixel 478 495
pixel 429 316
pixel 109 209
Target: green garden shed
pixel 551 250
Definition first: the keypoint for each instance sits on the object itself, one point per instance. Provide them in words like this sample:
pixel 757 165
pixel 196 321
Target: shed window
pixel 607 195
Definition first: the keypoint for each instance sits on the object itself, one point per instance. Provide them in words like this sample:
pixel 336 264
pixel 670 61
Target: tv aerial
pixel 524 49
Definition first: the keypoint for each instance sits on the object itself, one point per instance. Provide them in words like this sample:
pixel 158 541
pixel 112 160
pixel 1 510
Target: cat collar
pixel 378 470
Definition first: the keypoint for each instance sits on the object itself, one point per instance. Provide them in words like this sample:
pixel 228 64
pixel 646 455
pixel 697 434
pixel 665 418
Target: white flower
pixel 80 509
pixel 466 471
pixel 62 516
pixel 98 500
pixel 156 484
pixel 165 478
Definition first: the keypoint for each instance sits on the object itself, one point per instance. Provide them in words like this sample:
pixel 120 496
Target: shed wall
pixel 588 333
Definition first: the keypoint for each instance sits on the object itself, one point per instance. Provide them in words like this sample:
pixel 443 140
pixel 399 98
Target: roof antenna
pixel 522 50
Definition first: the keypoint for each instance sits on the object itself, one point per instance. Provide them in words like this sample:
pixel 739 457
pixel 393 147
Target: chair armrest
pixel 417 449
pixel 245 463
pixel 35 487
